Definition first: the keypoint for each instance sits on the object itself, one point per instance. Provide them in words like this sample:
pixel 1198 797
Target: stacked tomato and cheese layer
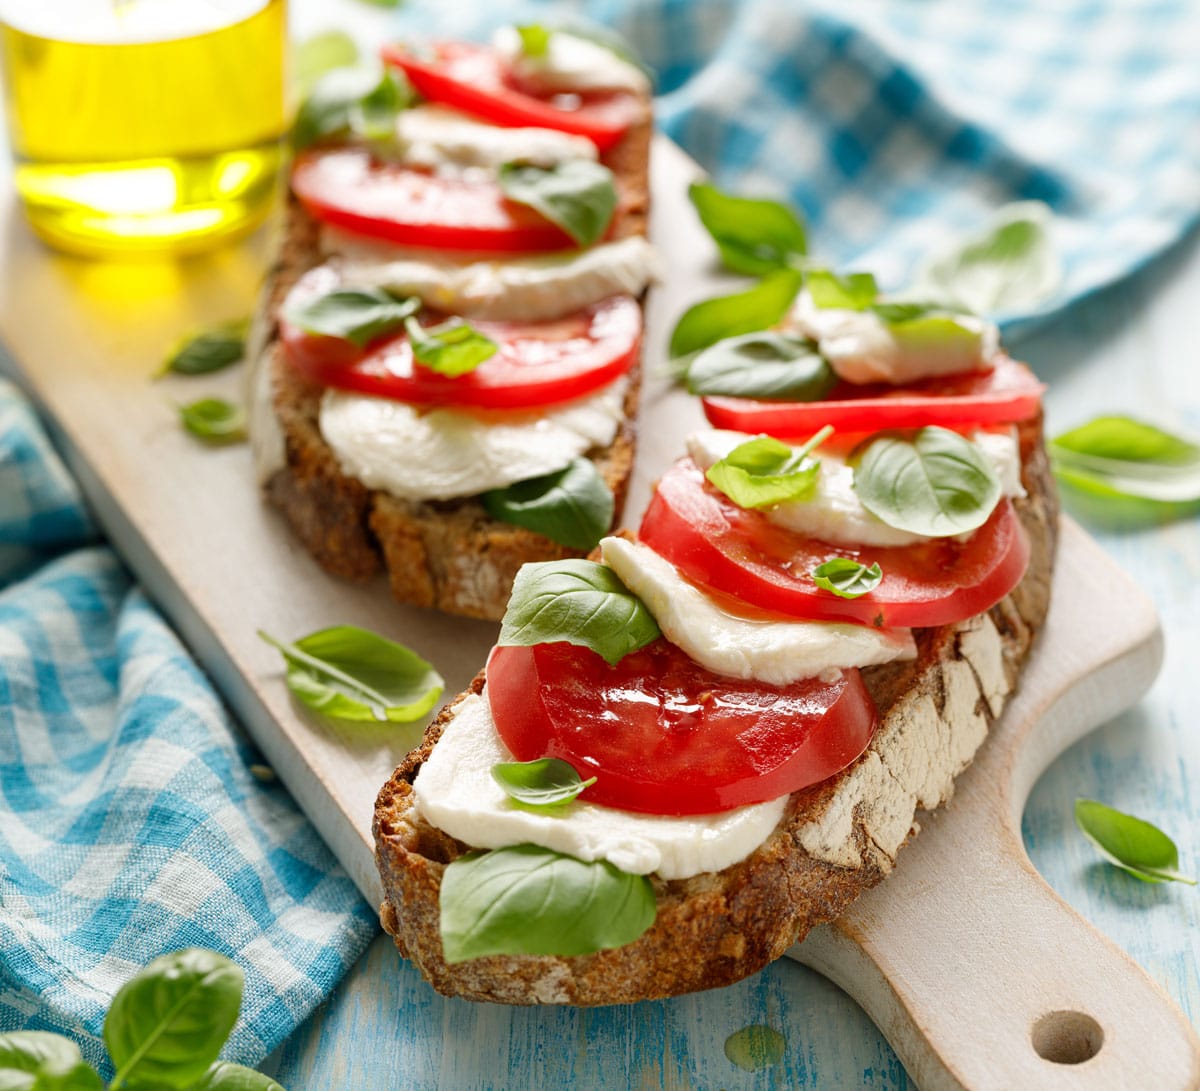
pixel 422 215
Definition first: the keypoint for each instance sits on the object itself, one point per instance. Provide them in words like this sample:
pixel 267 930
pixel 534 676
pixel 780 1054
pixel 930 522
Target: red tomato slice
pixel 1009 392
pixel 537 363
pixel 662 735
pixel 472 78
pixel 741 553
pixel 348 188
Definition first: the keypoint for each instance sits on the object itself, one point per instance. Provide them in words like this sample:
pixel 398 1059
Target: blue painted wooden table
pixel 1133 349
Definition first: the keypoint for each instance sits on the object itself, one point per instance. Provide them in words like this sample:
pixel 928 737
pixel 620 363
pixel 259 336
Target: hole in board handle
pixel 1067 1037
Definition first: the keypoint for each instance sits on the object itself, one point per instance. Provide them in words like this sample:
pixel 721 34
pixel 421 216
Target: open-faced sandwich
pixel 446 365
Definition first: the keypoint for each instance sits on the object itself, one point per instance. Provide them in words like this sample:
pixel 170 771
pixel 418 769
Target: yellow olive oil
pixel 144 125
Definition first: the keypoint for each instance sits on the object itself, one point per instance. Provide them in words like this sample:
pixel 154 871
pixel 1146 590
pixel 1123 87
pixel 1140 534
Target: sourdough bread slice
pixel 447 554
pixel 835 840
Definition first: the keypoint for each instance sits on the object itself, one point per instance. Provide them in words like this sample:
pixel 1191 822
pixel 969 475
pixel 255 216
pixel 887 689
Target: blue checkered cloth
pixel 130 823
pixel 895 124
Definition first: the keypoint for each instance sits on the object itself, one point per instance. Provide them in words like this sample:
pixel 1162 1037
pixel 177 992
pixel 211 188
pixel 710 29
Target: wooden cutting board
pixel 976 972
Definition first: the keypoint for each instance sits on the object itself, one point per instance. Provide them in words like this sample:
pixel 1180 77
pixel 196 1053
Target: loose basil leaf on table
pixel 319 54
pixel 1133 845
pixel 527 900
pixel 36 1060
pixel 545 783
pixel 854 292
pixel 351 102
pixel 1128 458
pixel 766 365
pixel 579 195
pixel 209 350
pixel 454 348
pixel 167 1024
pixel 214 420
pixel 224 1076
pixel 846 578
pixel 753 235
pixel 353 674
pixel 573 506
pixel 935 483
pixel 357 315
pixel 763 472
pixel 755 1047
pixel 757 308
pixel 580 602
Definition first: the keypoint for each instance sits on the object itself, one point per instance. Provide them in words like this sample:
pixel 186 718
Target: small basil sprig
pixel 36 1060
pixel 757 308
pixel 579 602
pixel 542 784
pixel 853 292
pixel 766 365
pixel 357 315
pixel 763 471
pixel 1133 845
pixel 579 195
pixel 352 102
pixel 527 900
pixel 319 54
pixel 214 420
pixel 210 350
pixel 454 348
pixel 353 674
pixel 935 483
pixel 846 578
pixel 754 236
pixel 573 506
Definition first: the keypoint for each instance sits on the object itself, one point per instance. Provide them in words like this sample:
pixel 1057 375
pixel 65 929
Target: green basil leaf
pixel 214 420
pixel 768 365
pixel 352 102
pixel 357 315
pixel 846 578
pixel 35 1060
pixel 1126 440
pixel 167 1024
pixel 1123 457
pixel 578 195
pixel 763 472
pixel 453 348
pixel 580 602
pixel 573 506
pixel 755 1047
pixel 753 235
pixel 319 54
pixel 224 1076
pixel 1010 265
pixel 544 783
pixel 854 292
pixel 209 350
pixel 1135 846
pixel 757 308
pixel 937 483
pixel 535 39
pixel 527 900
pixel 353 674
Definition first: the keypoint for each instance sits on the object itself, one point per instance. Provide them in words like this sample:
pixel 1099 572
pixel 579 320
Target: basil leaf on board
pixel 319 54
pixel 846 578
pixel 540 784
pixel 1128 458
pixel 853 292
pixel 579 195
pixel 36 1060
pixel 1133 845
pixel 214 420
pixel 573 506
pixel 937 483
pixel 580 602
pixel 535 39
pixel 351 102
pixel 357 315
pixel 527 900
pixel 167 1024
pixel 453 348
pixel 753 235
pixel 224 1076
pixel 209 350
pixel 757 308
pixel 763 471
pixel 1010 265
pixel 767 365
pixel 353 674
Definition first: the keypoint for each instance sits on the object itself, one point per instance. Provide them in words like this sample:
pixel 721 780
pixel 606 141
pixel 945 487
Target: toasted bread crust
pixel 450 555
pixel 836 839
